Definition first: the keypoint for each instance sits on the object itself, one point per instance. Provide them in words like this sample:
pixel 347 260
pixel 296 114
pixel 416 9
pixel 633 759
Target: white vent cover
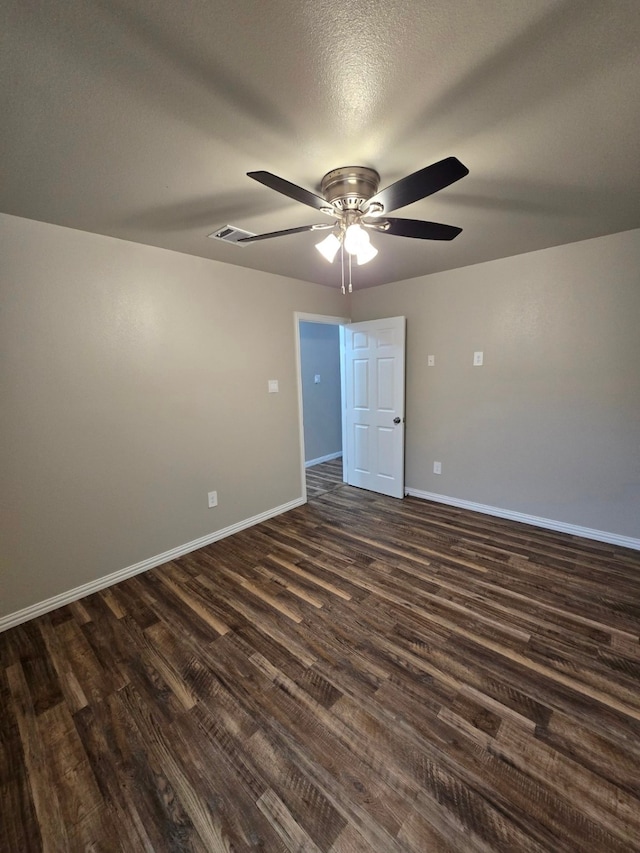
pixel 231 234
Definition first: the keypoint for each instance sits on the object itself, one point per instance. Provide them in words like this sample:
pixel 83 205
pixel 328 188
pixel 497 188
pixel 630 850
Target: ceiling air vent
pixel 231 234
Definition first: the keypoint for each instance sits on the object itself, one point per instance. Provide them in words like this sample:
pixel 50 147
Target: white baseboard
pixel 536 521
pixel 320 459
pixel 78 592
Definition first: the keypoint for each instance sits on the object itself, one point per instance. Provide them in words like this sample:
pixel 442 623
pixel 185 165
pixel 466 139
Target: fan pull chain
pixel 342 267
pixel 350 288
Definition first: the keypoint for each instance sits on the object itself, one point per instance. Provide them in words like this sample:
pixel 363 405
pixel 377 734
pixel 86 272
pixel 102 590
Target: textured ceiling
pixel 140 118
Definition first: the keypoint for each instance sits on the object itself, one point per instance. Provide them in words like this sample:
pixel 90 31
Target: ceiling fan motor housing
pixel 348 187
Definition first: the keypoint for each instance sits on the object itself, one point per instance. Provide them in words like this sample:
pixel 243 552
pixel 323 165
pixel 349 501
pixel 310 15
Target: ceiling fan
pixel 350 196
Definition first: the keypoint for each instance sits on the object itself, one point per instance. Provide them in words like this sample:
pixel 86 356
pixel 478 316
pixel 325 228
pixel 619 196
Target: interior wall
pixel 321 401
pixel 550 424
pixel 134 381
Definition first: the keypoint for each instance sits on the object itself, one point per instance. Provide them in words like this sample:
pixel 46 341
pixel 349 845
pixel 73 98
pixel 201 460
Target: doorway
pixel 320 374
pixel 372 369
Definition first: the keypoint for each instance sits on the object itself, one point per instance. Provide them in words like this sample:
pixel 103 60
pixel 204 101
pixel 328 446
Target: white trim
pixel 536 521
pixel 343 402
pixel 301 317
pixel 321 459
pixel 63 598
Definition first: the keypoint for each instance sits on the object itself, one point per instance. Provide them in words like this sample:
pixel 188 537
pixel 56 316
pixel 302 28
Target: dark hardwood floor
pixel 324 478
pixel 360 674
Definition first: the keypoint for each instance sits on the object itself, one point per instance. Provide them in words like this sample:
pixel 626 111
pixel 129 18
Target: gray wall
pixel 550 425
pixel 133 380
pixel 320 354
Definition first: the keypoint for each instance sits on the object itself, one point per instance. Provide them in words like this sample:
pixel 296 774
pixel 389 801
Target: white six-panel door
pixel 374 386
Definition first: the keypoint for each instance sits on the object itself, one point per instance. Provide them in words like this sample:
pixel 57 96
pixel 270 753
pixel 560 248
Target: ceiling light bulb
pixel 328 247
pixel 355 239
pixel 366 253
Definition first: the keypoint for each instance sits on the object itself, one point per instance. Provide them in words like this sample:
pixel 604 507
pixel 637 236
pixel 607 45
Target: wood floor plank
pixel 67 679
pixel 52 826
pixel 615 760
pixel 279 816
pixel 132 798
pixel 305 801
pixel 67 766
pixel 324 477
pixel 182 803
pixel 418 834
pixel 256 612
pixel 19 829
pixel 313 579
pixel 231 797
pixel 196 607
pixel 607 804
pixel 359 674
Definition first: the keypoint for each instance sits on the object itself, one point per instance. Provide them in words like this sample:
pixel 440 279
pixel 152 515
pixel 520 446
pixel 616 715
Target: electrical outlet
pixel 213 499
pixel 273 386
pixel 316 379
pixel 437 467
pixel 478 359
pixel 431 360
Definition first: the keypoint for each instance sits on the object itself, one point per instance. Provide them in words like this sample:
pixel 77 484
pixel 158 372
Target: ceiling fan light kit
pixel 351 197
pixel 357 242
pixel 329 247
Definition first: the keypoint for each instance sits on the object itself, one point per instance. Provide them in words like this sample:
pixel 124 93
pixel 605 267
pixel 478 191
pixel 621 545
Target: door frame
pixel 303 317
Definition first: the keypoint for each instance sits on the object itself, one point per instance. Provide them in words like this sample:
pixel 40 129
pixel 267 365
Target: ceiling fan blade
pixel 420 230
pixel 291 190
pixel 421 184
pixel 256 237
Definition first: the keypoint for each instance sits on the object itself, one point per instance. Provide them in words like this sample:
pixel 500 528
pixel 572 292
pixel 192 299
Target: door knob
pixel 396 420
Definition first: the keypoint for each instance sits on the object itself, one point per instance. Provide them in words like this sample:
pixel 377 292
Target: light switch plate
pixel 431 360
pixel 478 359
pixel 316 379
pixel 273 386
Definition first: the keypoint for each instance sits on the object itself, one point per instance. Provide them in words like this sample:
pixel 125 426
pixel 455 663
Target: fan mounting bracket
pixel 349 187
